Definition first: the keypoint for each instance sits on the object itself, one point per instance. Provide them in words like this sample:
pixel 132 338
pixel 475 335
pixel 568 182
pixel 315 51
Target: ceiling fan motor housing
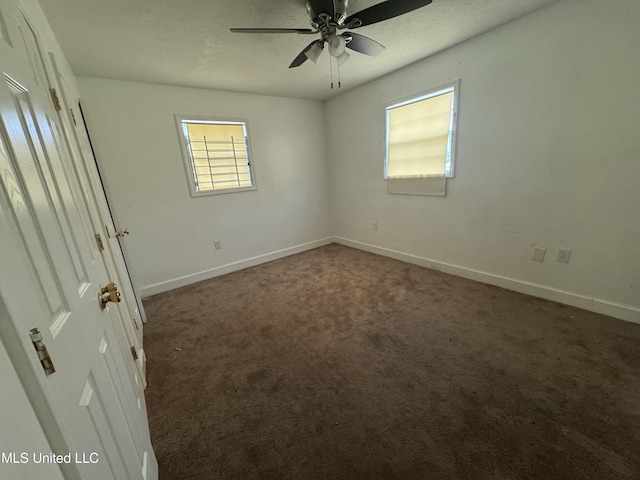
pixel 340 7
pixel 341 10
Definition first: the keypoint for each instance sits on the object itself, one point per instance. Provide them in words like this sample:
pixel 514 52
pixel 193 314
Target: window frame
pixel 186 158
pixel 453 86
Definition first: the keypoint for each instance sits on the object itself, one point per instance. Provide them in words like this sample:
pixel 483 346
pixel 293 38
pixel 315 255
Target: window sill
pixel 433 186
pixel 221 191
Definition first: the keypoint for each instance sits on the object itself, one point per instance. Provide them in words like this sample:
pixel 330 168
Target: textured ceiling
pixel 188 42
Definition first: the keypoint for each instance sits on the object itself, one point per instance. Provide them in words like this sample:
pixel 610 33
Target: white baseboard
pixel 167 285
pixel 598 305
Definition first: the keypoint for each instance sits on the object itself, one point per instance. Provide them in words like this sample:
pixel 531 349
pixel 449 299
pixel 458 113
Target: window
pixel 216 155
pixel 420 142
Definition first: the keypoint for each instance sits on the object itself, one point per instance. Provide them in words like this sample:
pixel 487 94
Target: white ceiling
pixel 188 42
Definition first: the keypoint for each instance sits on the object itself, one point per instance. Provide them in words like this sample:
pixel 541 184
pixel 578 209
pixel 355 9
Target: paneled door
pixel 130 312
pixel 53 280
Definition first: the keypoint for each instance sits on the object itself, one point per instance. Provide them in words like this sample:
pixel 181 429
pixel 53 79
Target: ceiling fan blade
pixel 384 11
pixel 302 57
pixel 323 6
pixel 363 44
pixel 272 30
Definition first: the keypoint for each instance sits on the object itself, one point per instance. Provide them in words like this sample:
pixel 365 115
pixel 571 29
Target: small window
pixel 216 154
pixel 420 142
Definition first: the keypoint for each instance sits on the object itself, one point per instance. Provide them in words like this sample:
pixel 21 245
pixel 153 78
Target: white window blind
pixel 419 143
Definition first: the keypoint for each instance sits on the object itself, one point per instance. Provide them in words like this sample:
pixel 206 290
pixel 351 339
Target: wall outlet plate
pixel 564 255
pixel 538 254
pixel 217 245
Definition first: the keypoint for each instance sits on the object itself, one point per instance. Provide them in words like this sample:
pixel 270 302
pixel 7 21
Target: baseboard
pixel 605 307
pixel 598 305
pixel 178 282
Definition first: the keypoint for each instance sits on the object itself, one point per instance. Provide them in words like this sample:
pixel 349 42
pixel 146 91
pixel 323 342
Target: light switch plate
pixel 538 254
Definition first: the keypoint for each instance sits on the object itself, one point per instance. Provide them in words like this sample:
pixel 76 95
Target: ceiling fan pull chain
pixel 331 70
pixel 339 82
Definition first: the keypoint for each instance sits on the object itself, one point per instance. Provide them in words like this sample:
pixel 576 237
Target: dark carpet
pixel 340 364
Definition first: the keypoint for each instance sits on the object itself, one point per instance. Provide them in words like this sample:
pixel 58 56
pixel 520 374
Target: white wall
pixel 548 154
pixel 171 243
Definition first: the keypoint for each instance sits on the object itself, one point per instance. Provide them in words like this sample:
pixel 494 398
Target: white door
pixel 51 272
pixel 18 419
pixel 130 313
pixel 70 141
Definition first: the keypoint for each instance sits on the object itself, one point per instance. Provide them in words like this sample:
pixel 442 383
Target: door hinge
pixel 43 354
pixel 134 353
pixel 73 117
pixel 99 242
pixel 55 99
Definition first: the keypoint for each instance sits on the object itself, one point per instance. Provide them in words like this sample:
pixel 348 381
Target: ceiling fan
pixel 330 16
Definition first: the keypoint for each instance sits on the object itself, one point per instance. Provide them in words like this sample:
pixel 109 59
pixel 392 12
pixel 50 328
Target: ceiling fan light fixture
pixel 337 44
pixel 314 52
pixel 343 58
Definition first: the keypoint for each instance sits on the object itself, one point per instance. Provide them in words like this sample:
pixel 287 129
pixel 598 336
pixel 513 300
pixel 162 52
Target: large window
pixel 216 155
pixel 420 141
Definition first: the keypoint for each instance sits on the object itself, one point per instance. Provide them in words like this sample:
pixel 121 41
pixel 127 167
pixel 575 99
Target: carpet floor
pixel 339 364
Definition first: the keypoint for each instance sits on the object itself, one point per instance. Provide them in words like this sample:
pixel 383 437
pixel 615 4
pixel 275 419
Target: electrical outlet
pixel 375 225
pixel 564 255
pixel 217 245
pixel 538 254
